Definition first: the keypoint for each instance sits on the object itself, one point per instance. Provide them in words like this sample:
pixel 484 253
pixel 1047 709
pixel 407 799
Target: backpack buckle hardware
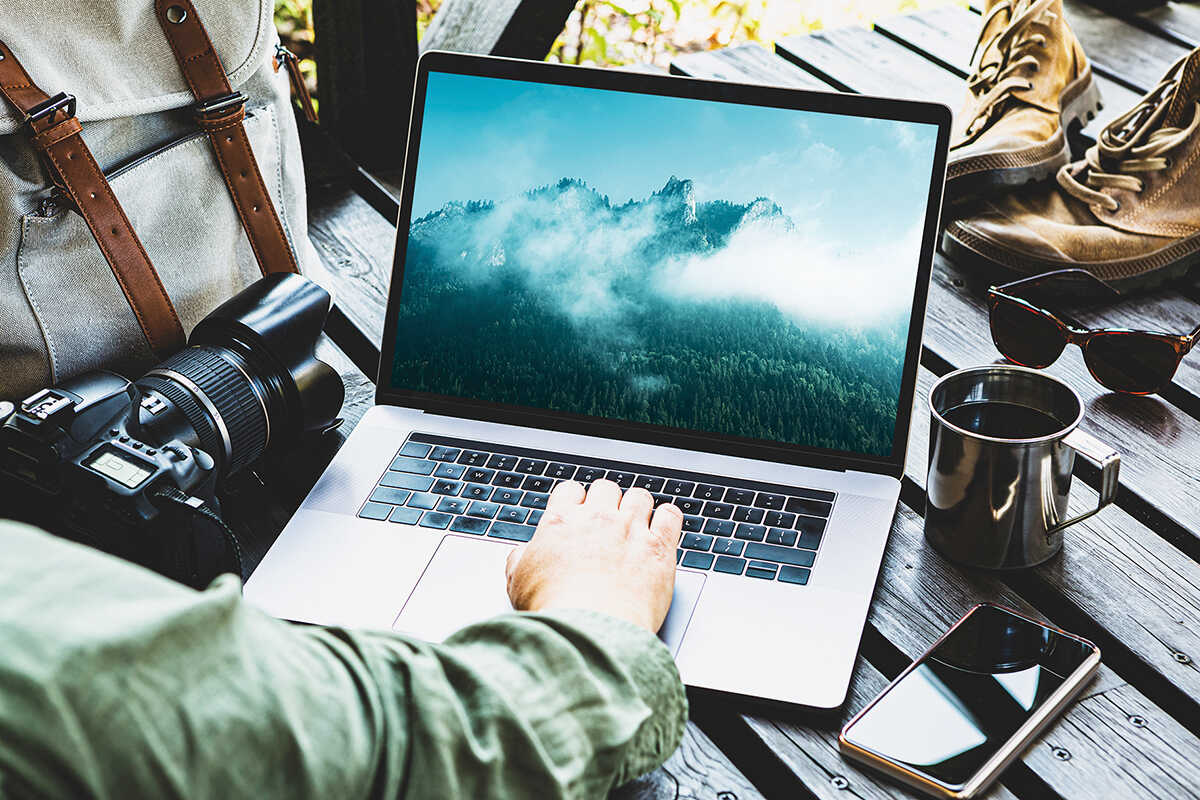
pixel 50 107
pixel 207 109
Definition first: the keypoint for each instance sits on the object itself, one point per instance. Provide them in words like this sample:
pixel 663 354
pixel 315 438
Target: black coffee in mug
pixel 1002 420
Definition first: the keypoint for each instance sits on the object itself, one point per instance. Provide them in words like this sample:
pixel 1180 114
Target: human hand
pixel 599 550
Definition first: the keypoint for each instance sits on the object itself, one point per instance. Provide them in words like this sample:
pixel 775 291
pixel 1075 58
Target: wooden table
pixel 1128 578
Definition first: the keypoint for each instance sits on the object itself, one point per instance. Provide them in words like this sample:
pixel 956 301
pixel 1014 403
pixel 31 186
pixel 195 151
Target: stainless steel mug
pixel 1002 444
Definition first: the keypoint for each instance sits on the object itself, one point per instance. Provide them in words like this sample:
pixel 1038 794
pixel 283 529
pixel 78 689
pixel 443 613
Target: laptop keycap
pixel 415 449
pixel 560 471
pixel 782 536
pixel 402 480
pixel 794 575
pixel 748 514
pixel 744 528
pixel 512 514
pixel 436 519
pixel 719 527
pixel 802 505
pixel 472 458
pixel 469 525
pixel 728 547
pixel 396 497
pixel 406 516
pixel 375 511
pixel 784 555
pixel 730 565
pixel 452 471
pixel 477 492
pixel 423 500
pixel 418 466
pixel 507 530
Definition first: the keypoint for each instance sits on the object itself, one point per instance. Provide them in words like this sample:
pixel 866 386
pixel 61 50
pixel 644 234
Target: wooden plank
pixel 514 28
pixel 1157 440
pixel 1117 743
pixel 697 768
pixel 859 60
pixel 947 34
pixel 1178 21
pixel 1156 612
pixel 1120 49
pixel 748 63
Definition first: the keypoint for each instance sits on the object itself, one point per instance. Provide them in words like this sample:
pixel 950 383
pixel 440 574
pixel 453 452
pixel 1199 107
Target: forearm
pixel 116 683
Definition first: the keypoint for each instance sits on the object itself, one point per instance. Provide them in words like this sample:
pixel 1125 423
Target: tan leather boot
pixel 1129 212
pixel 1031 80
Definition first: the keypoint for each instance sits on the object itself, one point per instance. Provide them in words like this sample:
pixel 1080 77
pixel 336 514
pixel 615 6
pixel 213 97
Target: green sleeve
pixel 115 682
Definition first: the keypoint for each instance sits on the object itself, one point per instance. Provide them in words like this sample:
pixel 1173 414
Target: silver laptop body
pixel 587 259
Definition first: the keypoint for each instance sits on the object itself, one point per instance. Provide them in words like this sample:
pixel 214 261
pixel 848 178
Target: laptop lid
pixel 730 268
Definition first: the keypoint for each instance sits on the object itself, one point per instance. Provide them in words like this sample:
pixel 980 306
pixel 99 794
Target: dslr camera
pixel 134 468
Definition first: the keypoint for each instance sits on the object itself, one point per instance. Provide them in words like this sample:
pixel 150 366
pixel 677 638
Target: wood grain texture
pixel 514 28
pixel 1120 49
pixel 696 769
pixel 920 594
pixel 745 64
pixel 1155 610
pixel 1179 21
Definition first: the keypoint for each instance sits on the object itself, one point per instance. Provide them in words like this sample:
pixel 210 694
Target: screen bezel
pixel 692 88
pixel 1007 751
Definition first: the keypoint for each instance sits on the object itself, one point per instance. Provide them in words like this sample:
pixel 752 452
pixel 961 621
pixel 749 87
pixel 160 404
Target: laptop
pixel 710 290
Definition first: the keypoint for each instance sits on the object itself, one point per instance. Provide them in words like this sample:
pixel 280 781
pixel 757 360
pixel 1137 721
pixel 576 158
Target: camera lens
pixel 249 377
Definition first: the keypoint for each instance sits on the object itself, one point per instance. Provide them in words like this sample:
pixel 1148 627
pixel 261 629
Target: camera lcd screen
pixel 968 696
pixel 112 463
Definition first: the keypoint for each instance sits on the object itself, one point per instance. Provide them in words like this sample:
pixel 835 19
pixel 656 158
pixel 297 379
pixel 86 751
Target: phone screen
pixel 969 695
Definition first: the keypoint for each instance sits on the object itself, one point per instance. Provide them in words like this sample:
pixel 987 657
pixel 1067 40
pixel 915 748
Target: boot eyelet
pixel 1116 207
pixel 1168 162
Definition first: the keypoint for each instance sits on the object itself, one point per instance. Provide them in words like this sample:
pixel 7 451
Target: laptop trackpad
pixel 464 583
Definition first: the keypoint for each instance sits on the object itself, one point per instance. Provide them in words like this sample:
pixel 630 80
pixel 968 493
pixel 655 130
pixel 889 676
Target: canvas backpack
pixel 149 169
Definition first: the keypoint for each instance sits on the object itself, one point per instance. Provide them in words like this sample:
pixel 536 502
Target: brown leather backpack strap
pixel 56 135
pixel 220 113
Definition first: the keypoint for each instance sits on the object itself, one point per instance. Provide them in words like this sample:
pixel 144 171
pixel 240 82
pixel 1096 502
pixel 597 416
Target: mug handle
pixel 1104 457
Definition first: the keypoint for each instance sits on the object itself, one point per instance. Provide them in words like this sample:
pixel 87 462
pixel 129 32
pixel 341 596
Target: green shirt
pixel 115 682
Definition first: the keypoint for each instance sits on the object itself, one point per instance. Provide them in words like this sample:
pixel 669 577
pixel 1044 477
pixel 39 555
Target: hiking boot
pixel 1128 212
pixel 1030 81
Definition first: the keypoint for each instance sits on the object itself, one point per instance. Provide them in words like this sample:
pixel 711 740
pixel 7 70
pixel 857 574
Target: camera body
pixel 134 467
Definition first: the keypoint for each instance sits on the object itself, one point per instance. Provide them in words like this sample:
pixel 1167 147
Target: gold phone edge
pixel 1008 752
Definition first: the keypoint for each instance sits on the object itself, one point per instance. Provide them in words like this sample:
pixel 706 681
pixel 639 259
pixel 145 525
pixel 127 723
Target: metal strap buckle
pixel 48 108
pixel 217 105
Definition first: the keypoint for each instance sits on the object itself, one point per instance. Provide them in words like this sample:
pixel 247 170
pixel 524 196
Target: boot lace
pixel 1135 142
pixel 992 82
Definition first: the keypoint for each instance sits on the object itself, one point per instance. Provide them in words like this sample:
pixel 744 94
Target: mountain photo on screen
pixel 715 267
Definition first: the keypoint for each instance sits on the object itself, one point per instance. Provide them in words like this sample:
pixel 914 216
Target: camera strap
pixel 220 112
pixel 56 136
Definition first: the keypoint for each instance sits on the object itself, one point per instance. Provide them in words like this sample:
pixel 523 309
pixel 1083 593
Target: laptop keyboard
pixel 736 527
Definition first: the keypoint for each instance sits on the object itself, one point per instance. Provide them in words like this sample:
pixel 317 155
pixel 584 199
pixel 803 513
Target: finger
pixel 567 493
pixel 603 494
pixel 638 502
pixel 666 524
pixel 514 558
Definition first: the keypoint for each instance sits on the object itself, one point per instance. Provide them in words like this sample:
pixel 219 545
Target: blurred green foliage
pixel 611 33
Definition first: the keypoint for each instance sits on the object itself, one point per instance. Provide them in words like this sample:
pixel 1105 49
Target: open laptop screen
pixel 711 267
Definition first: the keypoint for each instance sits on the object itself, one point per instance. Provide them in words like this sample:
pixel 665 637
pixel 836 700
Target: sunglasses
pixel 1124 360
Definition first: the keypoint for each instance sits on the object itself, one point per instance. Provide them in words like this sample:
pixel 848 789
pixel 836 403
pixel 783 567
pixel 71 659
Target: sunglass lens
pixel 1131 362
pixel 1024 335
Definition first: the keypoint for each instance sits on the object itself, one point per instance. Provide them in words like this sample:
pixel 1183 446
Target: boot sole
pixel 1172 263
pixel 1080 102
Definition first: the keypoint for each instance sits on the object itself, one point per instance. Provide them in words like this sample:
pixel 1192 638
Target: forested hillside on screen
pixel 711 316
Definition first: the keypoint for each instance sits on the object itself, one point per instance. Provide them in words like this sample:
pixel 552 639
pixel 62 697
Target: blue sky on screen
pixel 489 138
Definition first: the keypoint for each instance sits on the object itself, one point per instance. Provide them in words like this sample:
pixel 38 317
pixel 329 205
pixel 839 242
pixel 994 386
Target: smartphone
pixel 966 709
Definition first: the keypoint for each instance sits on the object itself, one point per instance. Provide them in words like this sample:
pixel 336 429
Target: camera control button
pixel 150 451
pixel 123 439
pixel 175 452
pixel 136 445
